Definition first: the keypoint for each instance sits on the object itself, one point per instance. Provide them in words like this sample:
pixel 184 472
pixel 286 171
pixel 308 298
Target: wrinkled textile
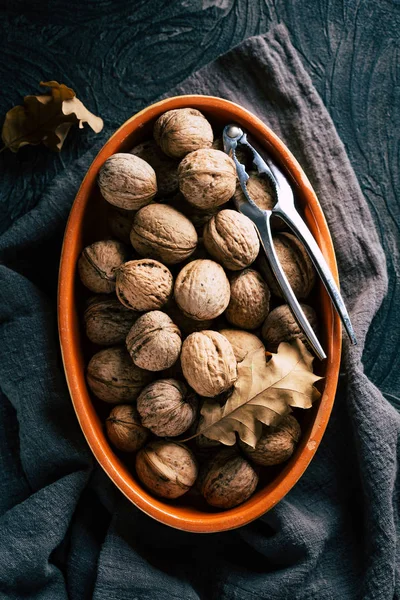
pixel 66 532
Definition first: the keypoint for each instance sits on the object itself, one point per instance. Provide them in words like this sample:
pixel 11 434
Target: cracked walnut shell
pixel 127 181
pixel 114 378
pixel 124 429
pixel 296 264
pixel 202 290
pixel 167 408
pixel 249 302
pixel 154 342
pixel 163 233
pixel 232 239
pixel 181 131
pixel 207 178
pixel 98 263
pixel 144 284
pixel 208 363
pixel 168 469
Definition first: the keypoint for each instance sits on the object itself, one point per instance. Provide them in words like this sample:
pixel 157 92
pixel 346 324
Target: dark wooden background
pixel 119 55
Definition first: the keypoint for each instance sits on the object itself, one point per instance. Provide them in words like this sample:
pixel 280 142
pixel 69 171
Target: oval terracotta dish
pixel 86 224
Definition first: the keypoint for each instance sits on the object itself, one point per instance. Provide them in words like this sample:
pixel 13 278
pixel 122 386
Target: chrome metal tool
pixel 284 208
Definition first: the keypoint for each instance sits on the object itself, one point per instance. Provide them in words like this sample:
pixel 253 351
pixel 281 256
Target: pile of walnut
pixel 177 295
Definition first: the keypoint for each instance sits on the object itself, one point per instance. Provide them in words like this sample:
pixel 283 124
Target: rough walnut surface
pixel 260 191
pixel 296 263
pixel 249 302
pixel 144 284
pixel 202 290
pixel 198 216
pixel 154 341
pixel 165 167
pixel 276 444
pixel 207 178
pixel 232 239
pixel 163 233
pixel 208 363
pixel 167 469
pixel 281 326
pixel 181 131
pixel 186 324
pixel 114 378
pixel 227 479
pixel 127 181
pixel 120 223
pixel 98 263
pixel 124 428
pixel 242 342
pixel 107 321
pixel 166 407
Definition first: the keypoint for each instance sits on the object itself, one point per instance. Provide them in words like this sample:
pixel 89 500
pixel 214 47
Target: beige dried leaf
pixel 263 393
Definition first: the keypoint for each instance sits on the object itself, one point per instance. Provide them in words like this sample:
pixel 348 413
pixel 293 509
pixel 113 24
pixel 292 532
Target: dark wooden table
pixel 120 55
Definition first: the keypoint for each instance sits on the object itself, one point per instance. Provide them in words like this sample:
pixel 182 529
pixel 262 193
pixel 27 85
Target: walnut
pixel 232 239
pixel 227 479
pixel 127 181
pixel 242 342
pixel 243 155
pixel 249 302
pixel 207 178
pixel 166 168
pixel 161 232
pixel 120 223
pixel 167 408
pixel 295 262
pixel 144 284
pixel 208 363
pixel 260 190
pixel 124 428
pixel 199 217
pixel 276 444
pixel 281 326
pixel 167 469
pixel 186 324
pixel 202 290
pixel 114 378
pixel 107 322
pixel 98 263
pixel 181 131
pixel 154 342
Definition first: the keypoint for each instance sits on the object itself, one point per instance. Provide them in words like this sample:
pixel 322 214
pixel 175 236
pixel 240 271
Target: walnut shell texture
pixel 98 263
pixel 207 178
pixel 198 216
pixel 208 363
pixel 281 326
pixel 243 155
pixel 163 233
pixel 231 239
pixel 167 469
pixel 165 167
pixel 260 191
pixel 181 131
pixel 127 181
pixel 276 444
pixel 154 342
pixel 242 342
pixel 249 302
pixel 295 262
pixel 120 223
pixel 227 479
pixel 166 407
pixel 144 284
pixel 124 429
pixel 202 289
pixel 107 321
pixel 185 323
pixel 114 378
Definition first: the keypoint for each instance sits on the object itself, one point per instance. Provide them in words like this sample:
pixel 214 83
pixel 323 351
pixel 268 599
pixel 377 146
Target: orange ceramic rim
pixel 185 517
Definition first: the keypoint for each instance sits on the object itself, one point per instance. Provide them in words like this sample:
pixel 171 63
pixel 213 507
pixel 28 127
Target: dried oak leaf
pixel 263 393
pixel 46 118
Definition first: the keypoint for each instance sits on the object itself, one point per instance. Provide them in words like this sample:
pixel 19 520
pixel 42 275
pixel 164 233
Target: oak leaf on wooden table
pixel 46 118
pixel 263 393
